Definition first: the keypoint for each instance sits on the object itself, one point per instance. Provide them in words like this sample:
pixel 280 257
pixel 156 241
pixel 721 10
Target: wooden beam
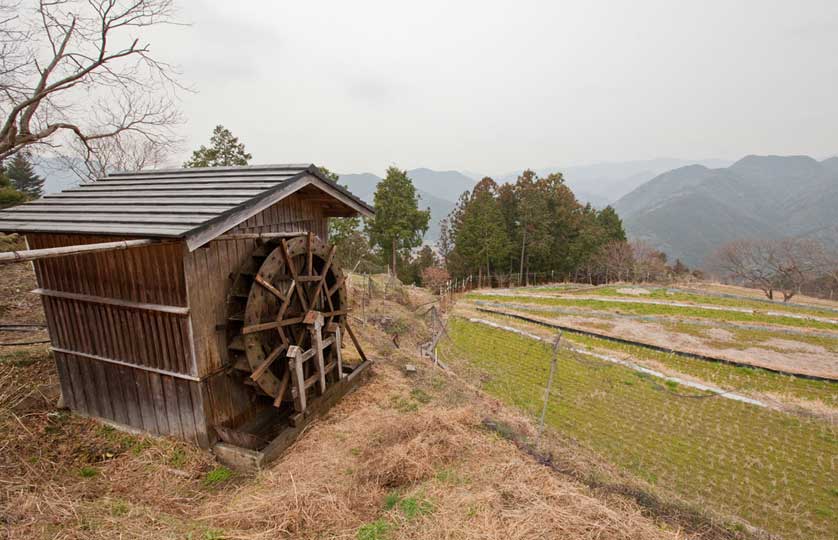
pixel 174 374
pixel 260 236
pixel 68 251
pixel 283 386
pixel 335 329
pixel 261 327
pixel 317 345
pixel 128 304
pixel 355 342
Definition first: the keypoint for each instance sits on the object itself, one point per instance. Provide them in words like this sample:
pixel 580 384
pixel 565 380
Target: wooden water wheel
pixel 288 304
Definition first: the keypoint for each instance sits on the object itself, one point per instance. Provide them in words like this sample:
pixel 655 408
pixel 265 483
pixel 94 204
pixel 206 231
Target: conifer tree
pixel 480 238
pixel 399 224
pixel 611 224
pixel 23 177
pixel 9 196
pixel 225 150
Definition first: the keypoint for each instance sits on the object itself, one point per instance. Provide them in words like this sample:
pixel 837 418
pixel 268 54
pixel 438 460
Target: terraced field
pixel 773 464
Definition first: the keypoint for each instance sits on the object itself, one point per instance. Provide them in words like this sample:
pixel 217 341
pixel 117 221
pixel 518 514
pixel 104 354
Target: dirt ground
pixel 405 456
pixel 754 293
pixel 783 354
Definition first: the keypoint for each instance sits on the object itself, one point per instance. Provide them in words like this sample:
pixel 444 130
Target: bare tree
pixel 127 152
pixel 615 261
pixel 74 74
pixel 649 264
pixel 771 265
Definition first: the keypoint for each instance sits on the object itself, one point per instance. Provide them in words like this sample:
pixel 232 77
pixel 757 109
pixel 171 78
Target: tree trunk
pixel 394 256
pixel 523 244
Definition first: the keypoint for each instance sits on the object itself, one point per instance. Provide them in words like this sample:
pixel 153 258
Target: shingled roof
pixel 195 204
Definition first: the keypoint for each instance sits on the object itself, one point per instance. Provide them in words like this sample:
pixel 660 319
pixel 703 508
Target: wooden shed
pixel 198 303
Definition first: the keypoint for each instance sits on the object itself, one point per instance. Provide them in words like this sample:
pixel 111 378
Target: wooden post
pixel 553 361
pixel 334 329
pixel 315 319
pixel 298 379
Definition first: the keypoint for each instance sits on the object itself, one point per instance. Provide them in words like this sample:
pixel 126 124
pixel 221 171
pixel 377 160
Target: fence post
pixel 556 345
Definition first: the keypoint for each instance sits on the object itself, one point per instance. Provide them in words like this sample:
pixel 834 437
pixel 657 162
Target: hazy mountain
pixel 603 183
pixel 447 185
pixel 361 185
pixel 690 211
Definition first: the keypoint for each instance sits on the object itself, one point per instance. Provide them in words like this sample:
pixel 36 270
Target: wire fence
pixel 776 470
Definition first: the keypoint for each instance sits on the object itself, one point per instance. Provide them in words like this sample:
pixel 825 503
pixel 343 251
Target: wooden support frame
pixel 246 459
pixel 334 329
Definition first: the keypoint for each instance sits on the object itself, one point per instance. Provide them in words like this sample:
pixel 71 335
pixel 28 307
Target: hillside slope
pixel 690 211
pixel 403 457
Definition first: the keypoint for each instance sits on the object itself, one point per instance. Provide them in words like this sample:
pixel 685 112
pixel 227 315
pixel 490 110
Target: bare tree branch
pixel 79 78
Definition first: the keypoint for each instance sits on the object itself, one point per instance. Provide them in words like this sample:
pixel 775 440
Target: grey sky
pixel 495 86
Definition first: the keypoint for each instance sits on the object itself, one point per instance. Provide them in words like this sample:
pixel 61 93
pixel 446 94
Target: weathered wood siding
pixel 120 330
pixel 157 403
pixel 295 213
pixel 151 275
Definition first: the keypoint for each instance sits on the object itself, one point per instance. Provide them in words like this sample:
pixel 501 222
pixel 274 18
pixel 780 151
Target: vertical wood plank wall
pixel 98 343
pixel 209 274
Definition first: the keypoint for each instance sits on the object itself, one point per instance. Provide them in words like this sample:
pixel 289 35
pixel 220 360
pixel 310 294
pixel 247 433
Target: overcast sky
pixel 496 86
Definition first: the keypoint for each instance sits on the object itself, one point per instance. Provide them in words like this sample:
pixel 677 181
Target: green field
pixel 773 469
pixel 725 376
pixel 639 308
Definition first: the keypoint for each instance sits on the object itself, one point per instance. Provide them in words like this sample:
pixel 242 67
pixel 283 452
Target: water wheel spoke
pixel 292 269
pixel 310 254
pixel 270 288
pixel 261 327
pixel 287 301
pixel 283 386
pixel 263 367
pixel 338 284
pixel 323 275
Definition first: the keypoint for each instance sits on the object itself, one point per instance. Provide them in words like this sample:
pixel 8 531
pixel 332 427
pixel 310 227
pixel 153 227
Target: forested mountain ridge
pixel 690 211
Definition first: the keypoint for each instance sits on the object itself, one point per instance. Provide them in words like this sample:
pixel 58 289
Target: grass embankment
pixel 772 469
pixel 640 308
pixel 674 295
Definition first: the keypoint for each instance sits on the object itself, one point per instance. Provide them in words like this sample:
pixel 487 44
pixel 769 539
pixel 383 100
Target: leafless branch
pixel 82 76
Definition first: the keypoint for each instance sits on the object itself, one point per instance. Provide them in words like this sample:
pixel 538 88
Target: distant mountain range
pixel 599 184
pixel 690 211
pixel 687 208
